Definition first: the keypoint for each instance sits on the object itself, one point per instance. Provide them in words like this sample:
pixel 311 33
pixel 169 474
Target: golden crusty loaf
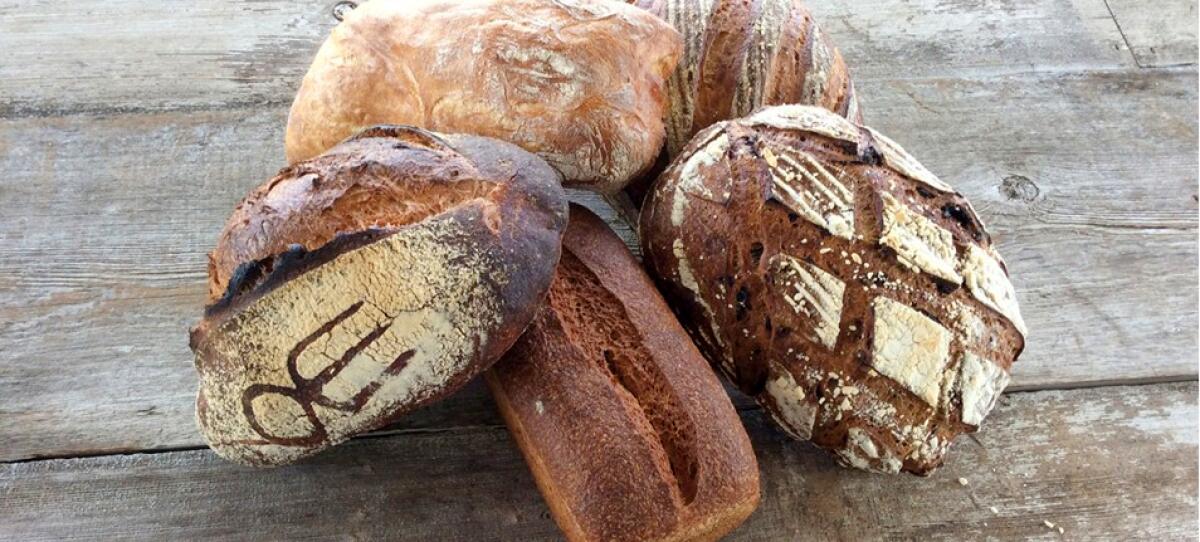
pixel 366 282
pixel 831 276
pixel 579 82
pixel 627 431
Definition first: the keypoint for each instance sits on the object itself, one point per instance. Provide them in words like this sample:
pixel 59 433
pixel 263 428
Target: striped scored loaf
pixel 739 56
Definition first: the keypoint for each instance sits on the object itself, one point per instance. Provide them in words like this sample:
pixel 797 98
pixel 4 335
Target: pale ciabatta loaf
pixel 579 82
pixel 831 276
pixel 627 430
pixel 739 56
pixel 369 281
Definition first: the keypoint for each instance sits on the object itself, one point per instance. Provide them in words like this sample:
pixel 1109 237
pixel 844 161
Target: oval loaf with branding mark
pixel 366 282
pixel 578 82
pixel 628 432
pixel 831 276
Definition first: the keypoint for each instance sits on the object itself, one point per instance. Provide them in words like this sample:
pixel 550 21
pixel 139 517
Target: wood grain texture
pixel 940 38
pixel 1086 180
pixel 128 130
pixel 1104 464
pixel 1069 183
pixel 130 56
pixel 1159 33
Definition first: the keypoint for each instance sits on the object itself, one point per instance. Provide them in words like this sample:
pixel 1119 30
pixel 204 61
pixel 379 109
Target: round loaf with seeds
pixel 364 283
pixel 831 276
pixel 578 82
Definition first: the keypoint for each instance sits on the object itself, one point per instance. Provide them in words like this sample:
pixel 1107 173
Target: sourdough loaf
pixel 627 431
pixel 739 56
pixel 579 82
pixel 831 276
pixel 366 282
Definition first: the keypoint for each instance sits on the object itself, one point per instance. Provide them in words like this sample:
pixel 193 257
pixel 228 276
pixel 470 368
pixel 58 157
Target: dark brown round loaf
pixel 366 282
pixel 831 276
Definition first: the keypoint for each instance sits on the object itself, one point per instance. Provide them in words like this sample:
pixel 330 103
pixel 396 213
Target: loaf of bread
pixel 369 281
pixel 578 82
pixel 629 434
pixel 834 278
pixel 739 56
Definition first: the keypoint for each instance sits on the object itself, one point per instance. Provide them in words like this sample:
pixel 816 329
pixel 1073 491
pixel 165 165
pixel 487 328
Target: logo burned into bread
pixel 372 280
pixel 306 392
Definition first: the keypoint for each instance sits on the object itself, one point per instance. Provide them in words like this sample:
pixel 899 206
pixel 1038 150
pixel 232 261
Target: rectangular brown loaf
pixel 628 432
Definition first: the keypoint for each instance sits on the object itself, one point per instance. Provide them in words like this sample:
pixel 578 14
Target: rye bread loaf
pixel 579 82
pixel 739 56
pixel 834 278
pixel 629 434
pixel 366 282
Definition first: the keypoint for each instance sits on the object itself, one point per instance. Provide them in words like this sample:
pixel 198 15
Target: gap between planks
pixel 743 404
pixel 15 110
pixel 1112 464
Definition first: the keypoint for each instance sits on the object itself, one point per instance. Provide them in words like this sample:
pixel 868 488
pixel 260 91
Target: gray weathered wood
pixel 1158 33
pixel 127 55
pixel 129 129
pixel 1088 182
pixel 1103 464
pixel 907 39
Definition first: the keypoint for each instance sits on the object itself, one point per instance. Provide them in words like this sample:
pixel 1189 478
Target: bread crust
pixel 578 82
pixel 742 55
pixel 629 434
pixel 739 56
pixel 362 284
pixel 853 293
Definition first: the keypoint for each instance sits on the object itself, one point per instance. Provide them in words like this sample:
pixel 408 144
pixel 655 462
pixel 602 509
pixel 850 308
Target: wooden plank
pixel 1158 33
pixel 1114 463
pixel 104 229
pixel 130 55
pixel 1088 183
pixel 906 39
pixel 104 223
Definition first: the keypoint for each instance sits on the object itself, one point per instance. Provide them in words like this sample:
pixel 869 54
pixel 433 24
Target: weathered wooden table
pixel 128 130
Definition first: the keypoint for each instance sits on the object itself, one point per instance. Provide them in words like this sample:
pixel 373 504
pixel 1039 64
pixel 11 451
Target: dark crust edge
pixel 249 282
pixel 533 211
